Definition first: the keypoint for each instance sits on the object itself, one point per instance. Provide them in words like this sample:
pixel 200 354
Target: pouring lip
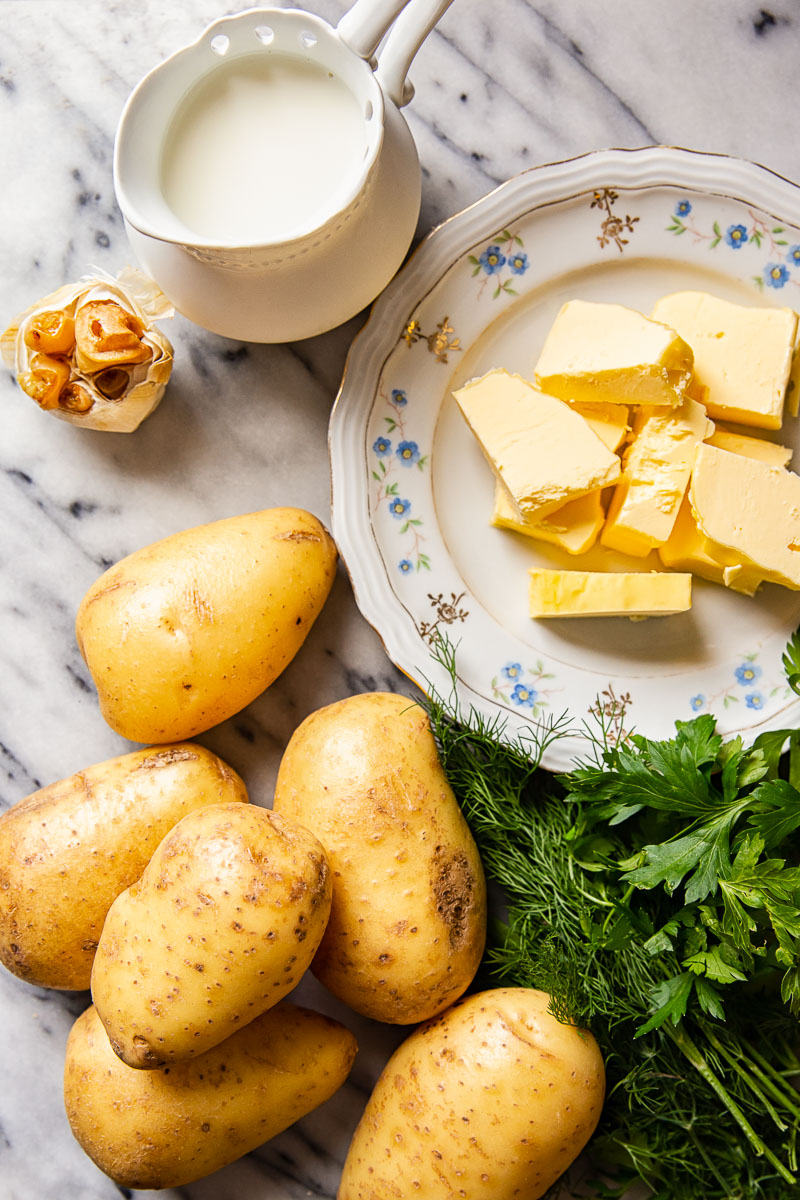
pixel 189 238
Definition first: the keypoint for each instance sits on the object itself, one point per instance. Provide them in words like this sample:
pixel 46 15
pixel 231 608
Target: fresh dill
pixel 654 893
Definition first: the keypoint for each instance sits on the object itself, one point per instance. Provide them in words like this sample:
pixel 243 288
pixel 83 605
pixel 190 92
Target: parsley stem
pixel 738 1064
pixel 794 760
pixel 766 1072
pixel 687 1047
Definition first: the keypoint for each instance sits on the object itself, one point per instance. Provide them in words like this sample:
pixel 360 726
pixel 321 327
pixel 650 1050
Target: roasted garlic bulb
pixel 90 352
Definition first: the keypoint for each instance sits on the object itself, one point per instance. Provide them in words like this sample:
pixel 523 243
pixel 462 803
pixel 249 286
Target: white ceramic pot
pixel 294 284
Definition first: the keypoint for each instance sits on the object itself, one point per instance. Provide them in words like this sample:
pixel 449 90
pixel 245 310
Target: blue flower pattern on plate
pixel 736 236
pixel 759 234
pixel 395 449
pixel 775 275
pixel 408 453
pixel 748 684
pixel 492 260
pixel 512 670
pixel 523 697
pixel 506 250
pixel 398 508
pixel 747 673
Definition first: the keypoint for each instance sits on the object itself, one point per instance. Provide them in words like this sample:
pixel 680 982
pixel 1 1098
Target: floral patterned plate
pixel 412 495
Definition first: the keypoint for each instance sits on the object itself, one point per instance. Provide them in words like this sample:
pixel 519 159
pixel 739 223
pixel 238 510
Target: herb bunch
pixel 654 893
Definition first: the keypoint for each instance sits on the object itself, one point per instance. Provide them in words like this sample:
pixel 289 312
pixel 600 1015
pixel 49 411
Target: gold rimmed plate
pixel 412 495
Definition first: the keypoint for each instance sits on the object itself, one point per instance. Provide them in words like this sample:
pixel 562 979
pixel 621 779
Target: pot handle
pixel 405 38
pixel 364 25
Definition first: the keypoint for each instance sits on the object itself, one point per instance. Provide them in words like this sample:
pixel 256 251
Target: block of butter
pixel 541 450
pixel 751 510
pixel 608 594
pixel 609 422
pixel 687 549
pixel 742 355
pixel 606 352
pixel 751 447
pixel 656 472
pixel 573 528
pixel 792 401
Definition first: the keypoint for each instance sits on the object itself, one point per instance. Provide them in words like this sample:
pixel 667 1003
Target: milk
pixel 264 147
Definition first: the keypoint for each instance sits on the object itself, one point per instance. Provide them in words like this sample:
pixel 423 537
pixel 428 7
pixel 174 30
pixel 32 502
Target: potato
pixel 222 924
pixel 184 633
pixel 408 921
pixel 68 850
pixel 164 1128
pixel 492 1100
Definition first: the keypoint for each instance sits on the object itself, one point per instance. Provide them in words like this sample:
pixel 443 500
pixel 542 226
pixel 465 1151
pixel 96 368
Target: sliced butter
pixel 742 355
pixel 751 510
pixel 687 549
pixel 573 528
pixel 750 447
pixel 541 450
pixel 609 422
pixel 793 386
pixel 608 594
pixel 690 550
pixel 657 467
pixel 606 352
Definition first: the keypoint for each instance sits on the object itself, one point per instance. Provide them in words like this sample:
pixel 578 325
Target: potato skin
pixel 164 1128
pixel 68 850
pixel 492 1100
pixel 223 922
pixel 184 633
pixel 408 920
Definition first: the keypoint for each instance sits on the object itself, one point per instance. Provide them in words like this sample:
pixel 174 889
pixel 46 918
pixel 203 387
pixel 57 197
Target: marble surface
pixel 498 88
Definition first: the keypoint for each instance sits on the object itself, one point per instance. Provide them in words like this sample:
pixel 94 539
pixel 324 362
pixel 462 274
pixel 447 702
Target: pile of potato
pixel 192 913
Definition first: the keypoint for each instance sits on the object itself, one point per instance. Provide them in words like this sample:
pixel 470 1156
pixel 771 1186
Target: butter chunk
pixel 742 355
pixel 751 511
pixel 542 451
pixel 608 594
pixel 687 549
pixel 792 400
pixel 609 422
pixel 573 528
pixel 656 472
pixel 750 447
pixel 606 352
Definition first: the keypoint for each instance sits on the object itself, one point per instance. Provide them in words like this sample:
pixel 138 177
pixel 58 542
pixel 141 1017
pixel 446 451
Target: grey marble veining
pixel 499 88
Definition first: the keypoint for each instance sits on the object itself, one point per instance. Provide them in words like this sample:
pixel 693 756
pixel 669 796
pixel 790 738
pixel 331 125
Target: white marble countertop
pixel 498 88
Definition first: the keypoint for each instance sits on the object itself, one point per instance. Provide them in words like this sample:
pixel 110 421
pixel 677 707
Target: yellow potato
pixel 68 850
pixel 408 921
pixel 492 1100
pixel 164 1128
pixel 222 924
pixel 184 633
